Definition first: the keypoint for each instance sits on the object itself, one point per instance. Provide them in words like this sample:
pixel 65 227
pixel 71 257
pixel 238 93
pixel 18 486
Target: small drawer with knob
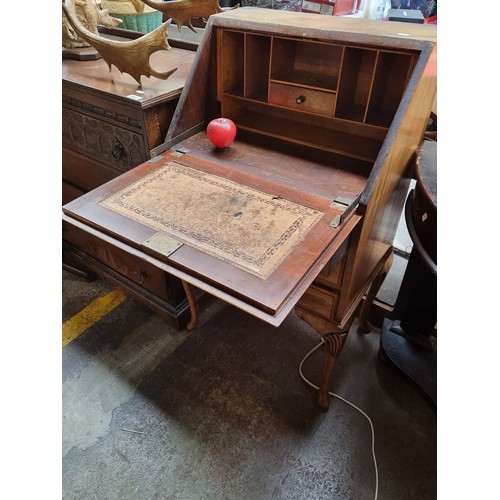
pixel 300 98
pixel 111 135
pixel 129 264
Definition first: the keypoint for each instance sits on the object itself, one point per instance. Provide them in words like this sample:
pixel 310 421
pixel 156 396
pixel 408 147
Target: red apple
pixel 221 132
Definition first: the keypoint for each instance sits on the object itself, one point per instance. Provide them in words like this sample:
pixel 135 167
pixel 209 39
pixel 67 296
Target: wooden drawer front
pixel 332 275
pixel 312 101
pixel 107 142
pixel 132 267
pixel 322 302
pixel 83 172
pixel 70 192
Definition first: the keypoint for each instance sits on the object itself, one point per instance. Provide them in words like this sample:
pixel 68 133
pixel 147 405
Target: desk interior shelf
pixel 315 85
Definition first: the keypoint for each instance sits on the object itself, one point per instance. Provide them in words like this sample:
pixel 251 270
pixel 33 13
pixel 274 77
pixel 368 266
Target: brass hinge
pixel 346 206
pixel 156 158
pixel 179 151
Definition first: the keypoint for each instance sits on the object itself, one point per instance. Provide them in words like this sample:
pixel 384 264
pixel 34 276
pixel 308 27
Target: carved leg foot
pixel 364 324
pixel 334 343
pixel 193 306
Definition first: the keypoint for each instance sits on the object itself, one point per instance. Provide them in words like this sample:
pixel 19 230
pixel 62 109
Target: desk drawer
pixel 83 172
pixel 323 302
pixel 115 145
pixel 131 266
pixel 312 101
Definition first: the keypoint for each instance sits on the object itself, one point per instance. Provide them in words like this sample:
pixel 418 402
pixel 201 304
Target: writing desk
pixel 301 210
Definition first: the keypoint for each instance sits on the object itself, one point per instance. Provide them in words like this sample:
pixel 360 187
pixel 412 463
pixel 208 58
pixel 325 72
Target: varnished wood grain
pixel 95 75
pixel 278 287
pixel 101 107
pixel 366 145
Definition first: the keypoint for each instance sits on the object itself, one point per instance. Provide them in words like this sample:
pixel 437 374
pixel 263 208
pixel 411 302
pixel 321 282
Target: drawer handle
pixel 300 99
pixel 117 149
pixel 141 277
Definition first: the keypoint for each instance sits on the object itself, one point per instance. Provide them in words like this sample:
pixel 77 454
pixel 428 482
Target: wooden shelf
pixel 314 81
pixel 316 136
pixel 305 79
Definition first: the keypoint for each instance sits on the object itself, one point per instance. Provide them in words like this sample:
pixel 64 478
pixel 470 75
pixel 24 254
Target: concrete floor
pixel 149 412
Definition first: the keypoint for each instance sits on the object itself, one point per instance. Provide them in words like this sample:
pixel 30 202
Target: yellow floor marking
pixel 90 315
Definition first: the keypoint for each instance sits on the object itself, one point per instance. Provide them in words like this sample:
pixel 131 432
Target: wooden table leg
pixel 335 333
pixel 364 324
pixel 334 338
pixel 334 343
pixel 193 305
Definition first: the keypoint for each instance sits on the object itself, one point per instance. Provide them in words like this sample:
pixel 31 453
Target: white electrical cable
pixel 310 384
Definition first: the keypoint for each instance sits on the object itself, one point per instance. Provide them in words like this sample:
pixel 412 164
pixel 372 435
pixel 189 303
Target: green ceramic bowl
pixel 140 22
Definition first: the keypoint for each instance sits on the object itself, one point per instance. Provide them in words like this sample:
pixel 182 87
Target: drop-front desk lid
pixel 256 243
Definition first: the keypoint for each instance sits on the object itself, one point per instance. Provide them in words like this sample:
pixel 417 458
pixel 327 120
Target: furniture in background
pixel 300 212
pixel 109 125
pixel 109 122
pixel 409 336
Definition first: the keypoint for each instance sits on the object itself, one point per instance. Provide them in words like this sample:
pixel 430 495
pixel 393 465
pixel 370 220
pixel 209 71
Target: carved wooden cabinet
pixel 109 123
pixel 330 114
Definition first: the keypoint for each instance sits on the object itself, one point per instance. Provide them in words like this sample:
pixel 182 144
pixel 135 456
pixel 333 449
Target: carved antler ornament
pixel 131 56
pixel 182 11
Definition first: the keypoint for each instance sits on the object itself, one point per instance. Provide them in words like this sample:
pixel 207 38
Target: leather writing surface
pixel 272 296
pixel 239 225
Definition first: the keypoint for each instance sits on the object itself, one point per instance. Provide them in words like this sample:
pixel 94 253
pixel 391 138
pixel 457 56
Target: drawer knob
pixel 117 149
pixel 141 277
pixel 300 99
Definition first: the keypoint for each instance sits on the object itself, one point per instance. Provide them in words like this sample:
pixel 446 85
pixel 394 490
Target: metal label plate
pixel 162 244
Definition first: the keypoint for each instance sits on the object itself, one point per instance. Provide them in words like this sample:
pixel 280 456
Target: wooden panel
pixel 390 79
pixel 112 84
pixel 319 300
pixel 124 113
pixel 343 29
pixel 176 312
pixel 257 57
pixel 201 99
pixel 294 166
pixel 84 172
pixel 282 58
pixel 232 58
pixel 70 192
pixel 134 268
pixel 332 275
pixel 156 121
pixel 117 146
pixel 303 128
pixel 387 187
pixel 306 63
pixel 310 59
pixel 355 83
pixel 278 287
pixel 197 104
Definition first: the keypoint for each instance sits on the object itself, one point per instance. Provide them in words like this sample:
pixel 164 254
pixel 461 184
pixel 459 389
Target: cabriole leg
pixel 193 306
pixel 334 342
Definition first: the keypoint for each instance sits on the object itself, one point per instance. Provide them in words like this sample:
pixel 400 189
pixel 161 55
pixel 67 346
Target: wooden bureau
pixel 331 113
